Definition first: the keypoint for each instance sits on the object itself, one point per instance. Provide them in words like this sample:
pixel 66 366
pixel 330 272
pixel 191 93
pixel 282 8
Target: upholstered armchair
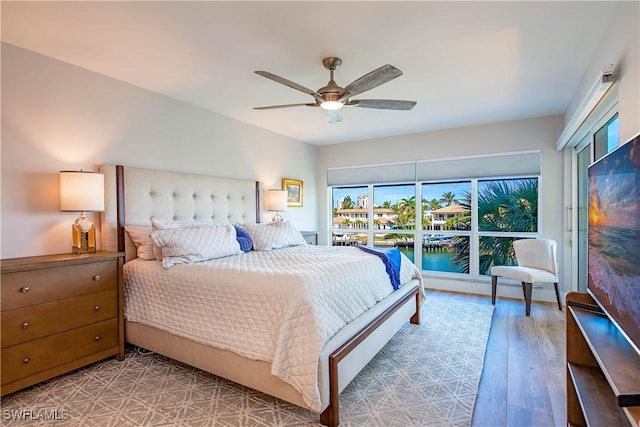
pixel 537 263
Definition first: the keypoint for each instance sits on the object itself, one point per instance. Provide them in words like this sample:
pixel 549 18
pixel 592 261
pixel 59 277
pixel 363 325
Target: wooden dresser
pixel 59 313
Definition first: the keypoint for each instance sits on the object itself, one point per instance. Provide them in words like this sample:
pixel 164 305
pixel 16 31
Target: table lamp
pixel 82 191
pixel 276 200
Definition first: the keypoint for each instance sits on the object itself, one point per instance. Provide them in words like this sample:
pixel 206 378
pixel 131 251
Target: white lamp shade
pixel 275 200
pixel 81 191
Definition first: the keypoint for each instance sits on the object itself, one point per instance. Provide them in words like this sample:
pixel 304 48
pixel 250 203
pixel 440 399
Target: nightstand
pixel 59 313
pixel 310 236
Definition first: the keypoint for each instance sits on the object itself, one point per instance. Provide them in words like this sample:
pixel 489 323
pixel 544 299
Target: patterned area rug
pixel 427 375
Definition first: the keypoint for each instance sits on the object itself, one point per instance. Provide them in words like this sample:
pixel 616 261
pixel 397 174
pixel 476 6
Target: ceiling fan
pixel 333 97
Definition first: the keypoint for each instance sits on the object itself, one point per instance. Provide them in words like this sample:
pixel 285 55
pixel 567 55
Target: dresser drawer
pixel 26 288
pixel 29 358
pixel 28 323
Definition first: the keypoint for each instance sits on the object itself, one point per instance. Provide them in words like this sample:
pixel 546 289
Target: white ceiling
pixel 464 63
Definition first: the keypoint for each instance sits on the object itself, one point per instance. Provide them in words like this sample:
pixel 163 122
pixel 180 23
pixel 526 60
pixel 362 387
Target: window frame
pixel 599 117
pixel 418 233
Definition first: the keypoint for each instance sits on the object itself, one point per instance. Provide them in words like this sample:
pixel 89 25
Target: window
pixel 446 221
pixel 606 138
pixel 509 205
pixel 394 217
pixel 505 206
pixel 389 221
pixel 459 227
pixel 349 215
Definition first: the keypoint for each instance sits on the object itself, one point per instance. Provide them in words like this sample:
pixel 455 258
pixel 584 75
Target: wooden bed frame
pixel 343 356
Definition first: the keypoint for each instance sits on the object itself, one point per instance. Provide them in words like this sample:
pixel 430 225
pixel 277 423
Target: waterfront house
pixel 439 217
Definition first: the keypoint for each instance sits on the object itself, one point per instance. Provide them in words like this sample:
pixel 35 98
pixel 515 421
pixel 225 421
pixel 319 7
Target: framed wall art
pixel 294 191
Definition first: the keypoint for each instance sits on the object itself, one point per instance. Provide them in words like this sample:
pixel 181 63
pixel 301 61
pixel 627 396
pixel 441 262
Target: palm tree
pixel 433 204
pixel 347 203
pixel 504 205
pixel 458 222
pixel 407 205
pixel 448 198
pixel 460 251
pixel 426 223
pixel 509 205
pixel 406 210
pixel 386 204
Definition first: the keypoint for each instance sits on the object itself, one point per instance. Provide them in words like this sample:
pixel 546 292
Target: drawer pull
pixel 96 308
pixel 96 277
pixel 26 325
pixel 26 360
pixel 98 338
pixel 25 289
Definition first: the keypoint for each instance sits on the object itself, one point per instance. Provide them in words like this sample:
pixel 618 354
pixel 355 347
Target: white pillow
pixel 163 224
pixel 186 245
pixel 141 237
pixel 274 235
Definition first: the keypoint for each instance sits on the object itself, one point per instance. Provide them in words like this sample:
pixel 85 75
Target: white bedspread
pixel 279 306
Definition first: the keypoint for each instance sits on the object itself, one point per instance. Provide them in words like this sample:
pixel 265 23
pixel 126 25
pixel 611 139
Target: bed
pixel 135 197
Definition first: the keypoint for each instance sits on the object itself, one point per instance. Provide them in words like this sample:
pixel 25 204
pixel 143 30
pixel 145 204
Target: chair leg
pixel 555 285
pixel 526 288
pixel 494 288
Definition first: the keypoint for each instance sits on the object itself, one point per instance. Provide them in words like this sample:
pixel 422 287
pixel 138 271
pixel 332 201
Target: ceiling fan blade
pixel 372 79
pixel 383 104
pixel 291 84
pixel 273 107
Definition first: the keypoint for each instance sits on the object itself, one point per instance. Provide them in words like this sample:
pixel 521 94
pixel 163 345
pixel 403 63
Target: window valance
pixel 497 165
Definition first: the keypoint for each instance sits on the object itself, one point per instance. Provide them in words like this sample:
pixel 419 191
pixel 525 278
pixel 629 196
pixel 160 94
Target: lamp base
pixel 277 217
pixel 83 236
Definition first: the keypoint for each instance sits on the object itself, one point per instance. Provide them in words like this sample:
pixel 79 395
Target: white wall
pixel 620 47
pixel 539 133
pixel 56 116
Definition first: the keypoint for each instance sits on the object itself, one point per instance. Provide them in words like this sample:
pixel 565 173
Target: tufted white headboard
pixel 134 196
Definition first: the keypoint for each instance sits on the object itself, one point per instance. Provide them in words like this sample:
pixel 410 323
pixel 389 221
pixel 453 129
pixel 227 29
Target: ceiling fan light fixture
pixel 334 116
pixel 331 105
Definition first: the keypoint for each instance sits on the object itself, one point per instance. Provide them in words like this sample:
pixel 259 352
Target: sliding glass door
pixel 597 144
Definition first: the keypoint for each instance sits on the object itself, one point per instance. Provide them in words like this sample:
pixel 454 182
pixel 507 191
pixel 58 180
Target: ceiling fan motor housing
pixel 331 92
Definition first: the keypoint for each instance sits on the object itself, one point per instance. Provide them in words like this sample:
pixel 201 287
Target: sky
pixel 394 193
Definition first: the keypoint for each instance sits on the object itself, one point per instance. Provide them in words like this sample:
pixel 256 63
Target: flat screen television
pixel 614 237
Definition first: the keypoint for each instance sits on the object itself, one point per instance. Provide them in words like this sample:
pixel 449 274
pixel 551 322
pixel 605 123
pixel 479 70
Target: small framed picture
pixel 294 191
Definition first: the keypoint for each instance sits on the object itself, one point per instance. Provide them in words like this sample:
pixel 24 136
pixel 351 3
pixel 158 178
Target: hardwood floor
pixel 523 382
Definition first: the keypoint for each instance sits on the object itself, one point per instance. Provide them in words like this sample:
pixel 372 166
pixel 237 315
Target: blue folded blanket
pixel 390 258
